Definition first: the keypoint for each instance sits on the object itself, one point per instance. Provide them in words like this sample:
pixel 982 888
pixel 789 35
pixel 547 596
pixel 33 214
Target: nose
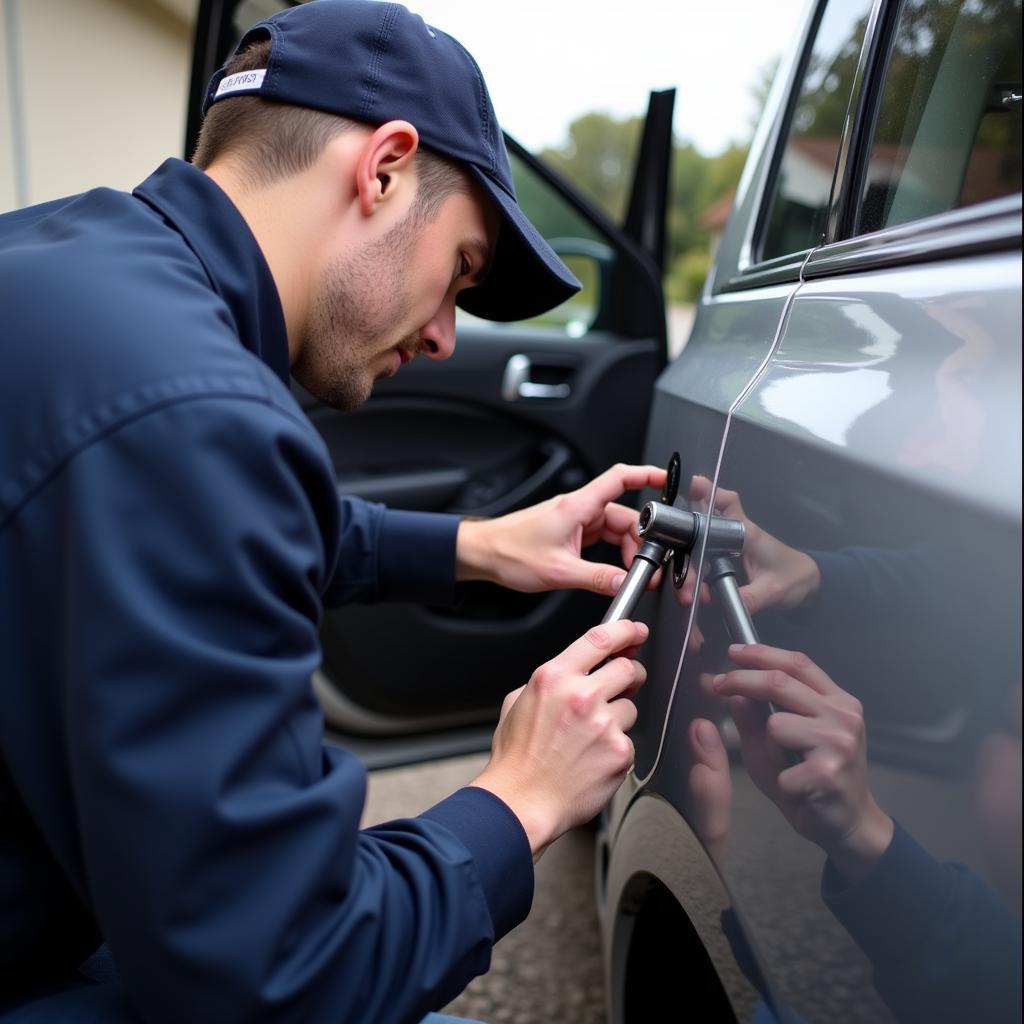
pixel 437 335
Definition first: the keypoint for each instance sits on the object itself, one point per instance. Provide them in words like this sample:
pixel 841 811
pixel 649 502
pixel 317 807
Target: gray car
pixel 851 394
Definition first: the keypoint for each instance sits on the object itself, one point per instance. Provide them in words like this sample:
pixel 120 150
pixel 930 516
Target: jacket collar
pixel 201 212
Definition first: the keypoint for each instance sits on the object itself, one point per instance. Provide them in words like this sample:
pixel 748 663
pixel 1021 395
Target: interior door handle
pixel 516 383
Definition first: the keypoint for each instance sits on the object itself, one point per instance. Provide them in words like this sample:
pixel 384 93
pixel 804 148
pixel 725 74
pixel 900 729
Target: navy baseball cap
pixel 375 62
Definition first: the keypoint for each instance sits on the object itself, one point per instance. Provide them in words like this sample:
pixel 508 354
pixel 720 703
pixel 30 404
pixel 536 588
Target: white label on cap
pixel 243 80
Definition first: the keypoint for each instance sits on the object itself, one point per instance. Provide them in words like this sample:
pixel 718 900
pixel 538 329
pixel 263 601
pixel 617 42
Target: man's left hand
pixel 540 548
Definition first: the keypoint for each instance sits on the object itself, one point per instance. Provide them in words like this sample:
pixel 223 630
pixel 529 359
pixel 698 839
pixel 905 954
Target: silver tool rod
pixel 646 563
pixel 722 577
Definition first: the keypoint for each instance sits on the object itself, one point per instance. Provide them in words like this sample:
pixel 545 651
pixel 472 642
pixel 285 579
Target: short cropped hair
pixel 279 140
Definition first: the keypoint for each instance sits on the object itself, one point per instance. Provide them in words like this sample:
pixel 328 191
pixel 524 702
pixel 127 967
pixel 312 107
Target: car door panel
pixel 886 476
pixel 689 414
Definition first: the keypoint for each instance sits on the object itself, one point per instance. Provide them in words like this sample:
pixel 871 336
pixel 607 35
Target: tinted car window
pixel 803 183
pixel 948 132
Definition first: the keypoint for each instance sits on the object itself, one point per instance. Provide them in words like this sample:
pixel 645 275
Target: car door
pixel 881 436
pixel 781 207
pixel 521 412
pixel 778 217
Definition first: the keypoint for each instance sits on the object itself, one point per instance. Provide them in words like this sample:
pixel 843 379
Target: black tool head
pixel 668 495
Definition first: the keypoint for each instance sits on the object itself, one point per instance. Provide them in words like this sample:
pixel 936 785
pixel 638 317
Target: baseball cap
pixel 375 62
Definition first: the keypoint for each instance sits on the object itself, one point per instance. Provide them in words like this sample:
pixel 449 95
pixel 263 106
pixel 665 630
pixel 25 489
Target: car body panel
pixel 697 392
pixel 883 421
pixel 877 428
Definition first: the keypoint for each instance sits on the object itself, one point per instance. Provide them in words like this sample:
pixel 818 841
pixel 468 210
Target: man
pixel 169 532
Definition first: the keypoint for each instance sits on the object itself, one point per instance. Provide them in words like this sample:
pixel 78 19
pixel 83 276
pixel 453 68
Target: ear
pixel 385 166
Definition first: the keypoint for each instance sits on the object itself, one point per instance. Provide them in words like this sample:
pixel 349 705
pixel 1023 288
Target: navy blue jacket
pixel 169 532
pixel 943 946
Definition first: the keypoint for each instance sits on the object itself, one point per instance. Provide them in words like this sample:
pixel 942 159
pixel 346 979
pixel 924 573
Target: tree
pixel 598 157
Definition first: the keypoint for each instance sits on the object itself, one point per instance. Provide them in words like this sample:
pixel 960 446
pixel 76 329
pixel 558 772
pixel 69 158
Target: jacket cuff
pixel 501 852
pixel 900 901
pixel 416 556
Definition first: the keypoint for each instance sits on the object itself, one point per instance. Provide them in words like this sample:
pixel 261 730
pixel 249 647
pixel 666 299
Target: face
pixel 379 308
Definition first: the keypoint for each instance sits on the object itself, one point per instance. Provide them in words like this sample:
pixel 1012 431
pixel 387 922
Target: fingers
pixel 774 685
pixel 598 577
pixel 600 643
pixel 706 746
pixel 620 478
pixel 796 664
pixel 700 488
pixel 794 732
pixel 710 786
pixel 759 594
pixel 727 503
pixel 764 759
pixel 625 714
pixel 619 520
pixel 620 675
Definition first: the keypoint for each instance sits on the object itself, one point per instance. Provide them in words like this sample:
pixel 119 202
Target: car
pixel 851 392
pixel 851 388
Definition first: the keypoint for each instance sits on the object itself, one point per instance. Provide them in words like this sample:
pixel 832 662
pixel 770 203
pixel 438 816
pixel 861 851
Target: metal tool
pixel 669 535
pixel 653 553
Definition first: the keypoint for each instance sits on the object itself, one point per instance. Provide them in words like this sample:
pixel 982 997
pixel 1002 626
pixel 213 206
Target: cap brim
pixel 526 276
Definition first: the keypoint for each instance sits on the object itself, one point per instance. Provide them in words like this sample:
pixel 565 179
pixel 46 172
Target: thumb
pixel 597 577
pixel 759 594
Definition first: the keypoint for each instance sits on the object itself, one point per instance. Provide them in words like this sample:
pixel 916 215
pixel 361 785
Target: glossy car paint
pixel 869 404
pixel 697 393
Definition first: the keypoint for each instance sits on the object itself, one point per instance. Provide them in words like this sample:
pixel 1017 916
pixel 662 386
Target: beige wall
pixel 101 88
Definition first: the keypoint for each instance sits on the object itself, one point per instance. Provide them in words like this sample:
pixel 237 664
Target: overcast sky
pixel 547 61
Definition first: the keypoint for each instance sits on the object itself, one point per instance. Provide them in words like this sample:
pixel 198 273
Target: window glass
pixel 803 183
pixel 948 132
pixel 584 250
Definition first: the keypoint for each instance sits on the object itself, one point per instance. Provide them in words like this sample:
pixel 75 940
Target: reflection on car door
pixel 883 438
pixel 740 322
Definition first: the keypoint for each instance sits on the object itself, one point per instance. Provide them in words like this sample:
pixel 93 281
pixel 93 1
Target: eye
pixel 465 266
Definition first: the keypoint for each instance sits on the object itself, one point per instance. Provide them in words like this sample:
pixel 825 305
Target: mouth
pixel 405 355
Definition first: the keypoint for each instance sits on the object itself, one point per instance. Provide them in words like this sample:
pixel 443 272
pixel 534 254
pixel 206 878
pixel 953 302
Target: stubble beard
pixel 359 301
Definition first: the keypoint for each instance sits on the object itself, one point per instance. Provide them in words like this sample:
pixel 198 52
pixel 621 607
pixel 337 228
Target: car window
pixel 948 130
pixel 583 249
pixel 799 201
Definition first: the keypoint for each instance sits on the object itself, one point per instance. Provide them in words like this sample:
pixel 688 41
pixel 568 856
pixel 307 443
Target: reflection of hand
pixel 710 787
pixel 826 797
pixel 539 548
pixel 561 750
pixel 778 576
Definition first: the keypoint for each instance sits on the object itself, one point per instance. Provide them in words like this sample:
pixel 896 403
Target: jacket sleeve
pixel 942 945
pixel 219 837
pixel 392 555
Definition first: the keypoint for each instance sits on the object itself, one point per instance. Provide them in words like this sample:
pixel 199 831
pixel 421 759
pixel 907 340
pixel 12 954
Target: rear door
pixel 521 412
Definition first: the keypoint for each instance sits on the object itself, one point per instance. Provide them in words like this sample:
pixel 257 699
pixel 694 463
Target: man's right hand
pixel 561 750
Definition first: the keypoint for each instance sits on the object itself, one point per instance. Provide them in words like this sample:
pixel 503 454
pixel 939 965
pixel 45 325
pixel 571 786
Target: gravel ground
pixel 546 971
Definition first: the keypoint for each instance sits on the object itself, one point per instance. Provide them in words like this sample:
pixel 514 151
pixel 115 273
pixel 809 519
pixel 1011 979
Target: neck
pixel 287 233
